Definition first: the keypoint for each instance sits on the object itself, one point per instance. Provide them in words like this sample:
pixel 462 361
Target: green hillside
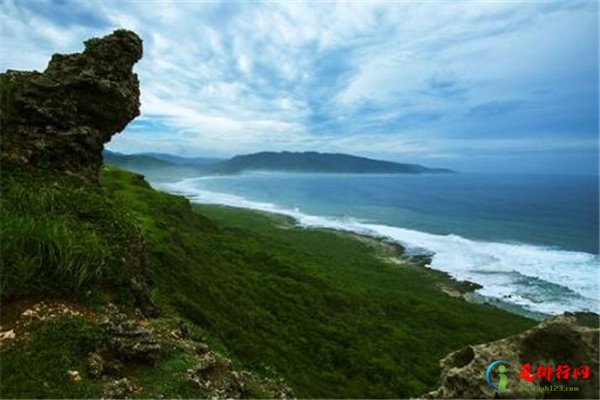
pixel 311 161
pixel 328 312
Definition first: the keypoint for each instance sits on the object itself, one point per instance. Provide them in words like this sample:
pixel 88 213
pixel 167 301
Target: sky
pixel 483 86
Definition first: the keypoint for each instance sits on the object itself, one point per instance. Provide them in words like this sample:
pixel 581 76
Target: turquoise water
pixel 531 240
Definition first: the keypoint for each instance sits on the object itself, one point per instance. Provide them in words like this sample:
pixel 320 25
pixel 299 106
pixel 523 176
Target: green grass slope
pixel 62 237
pixel 324 309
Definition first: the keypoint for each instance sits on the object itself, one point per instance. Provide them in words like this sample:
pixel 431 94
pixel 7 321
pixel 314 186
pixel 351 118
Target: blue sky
pixel 475 85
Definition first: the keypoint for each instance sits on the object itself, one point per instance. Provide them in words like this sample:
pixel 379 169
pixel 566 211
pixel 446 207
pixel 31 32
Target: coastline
pixel 394 253
pixel 526 278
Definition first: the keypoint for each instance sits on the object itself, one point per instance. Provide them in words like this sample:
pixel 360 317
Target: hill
pixel 157 167
pixel 183 160
pixel 318 162
pixel 160 166
pixel 332 314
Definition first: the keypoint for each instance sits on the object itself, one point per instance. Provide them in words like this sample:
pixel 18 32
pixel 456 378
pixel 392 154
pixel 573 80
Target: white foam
pixel 537 278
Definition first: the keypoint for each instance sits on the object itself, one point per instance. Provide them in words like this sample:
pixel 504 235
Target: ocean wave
pixel 536 278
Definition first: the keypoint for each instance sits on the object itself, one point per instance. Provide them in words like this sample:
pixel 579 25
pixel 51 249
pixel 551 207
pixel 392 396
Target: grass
pixel 38 367
pixel 61 236
pixel 322 309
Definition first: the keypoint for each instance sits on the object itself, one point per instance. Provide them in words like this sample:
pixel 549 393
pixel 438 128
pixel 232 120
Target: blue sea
pixel 529 240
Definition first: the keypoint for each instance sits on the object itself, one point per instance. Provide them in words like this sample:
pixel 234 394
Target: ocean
pixel 531 241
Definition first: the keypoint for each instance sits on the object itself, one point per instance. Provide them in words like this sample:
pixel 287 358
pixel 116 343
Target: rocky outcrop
pixel 569 339
pixel 61 118
pixel 129 339
pixel 215 378
pixel 119 389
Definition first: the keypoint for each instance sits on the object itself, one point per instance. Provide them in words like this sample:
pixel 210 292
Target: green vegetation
pixel 327 311
pixel 324 309
pixel 38 368
pixel 60 236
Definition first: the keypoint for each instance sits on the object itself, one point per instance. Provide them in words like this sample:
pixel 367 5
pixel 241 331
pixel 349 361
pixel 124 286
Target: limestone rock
pixel 214 377
pixel 95 365
pixel 61 118
pixel 129 339
pixel 119 389
pixel 570 339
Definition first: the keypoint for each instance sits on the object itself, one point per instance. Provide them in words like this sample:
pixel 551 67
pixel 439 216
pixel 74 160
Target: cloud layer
pixel 470 85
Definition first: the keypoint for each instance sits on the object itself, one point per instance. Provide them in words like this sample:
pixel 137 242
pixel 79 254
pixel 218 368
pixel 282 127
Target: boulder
pixel 61 118
pixel 569 339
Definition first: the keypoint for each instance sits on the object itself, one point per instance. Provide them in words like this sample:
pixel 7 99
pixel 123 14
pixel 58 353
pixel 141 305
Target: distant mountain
pixel 166 166
pixel 153 167
pixel 183 160
pixel 134 160
pixel 317 162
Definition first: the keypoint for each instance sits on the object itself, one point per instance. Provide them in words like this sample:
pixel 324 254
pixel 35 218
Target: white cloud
pixel 363 77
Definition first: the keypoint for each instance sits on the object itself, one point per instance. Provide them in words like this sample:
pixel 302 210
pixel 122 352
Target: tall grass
pixel 59 234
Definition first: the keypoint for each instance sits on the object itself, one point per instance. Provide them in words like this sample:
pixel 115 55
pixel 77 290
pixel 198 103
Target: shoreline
pixel 394 253
pixel 456 256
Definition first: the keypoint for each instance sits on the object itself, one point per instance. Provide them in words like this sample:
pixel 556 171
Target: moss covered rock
pixel 62 117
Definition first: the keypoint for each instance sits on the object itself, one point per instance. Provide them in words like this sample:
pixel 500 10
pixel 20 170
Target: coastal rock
pixel 569 339
pixel 95 365
pixel 129 339
pixel 61 118
pixel 215 377
pixel 119 389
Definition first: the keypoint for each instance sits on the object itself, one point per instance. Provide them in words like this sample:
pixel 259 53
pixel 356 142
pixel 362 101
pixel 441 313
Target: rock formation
pixel 61 118
pixel 129 339
pixel 569 339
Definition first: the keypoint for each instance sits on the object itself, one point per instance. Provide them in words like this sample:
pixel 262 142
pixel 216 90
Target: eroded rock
pixel 569 339
pixel 95 365
pixel 214 377
pixel 119 389
pixel 129 339
pixel 61 118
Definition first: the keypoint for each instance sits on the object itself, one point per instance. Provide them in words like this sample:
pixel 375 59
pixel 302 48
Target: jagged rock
pixel 119 389
pixel 95 365
pixel 129 339
pixel 62 117
pixel 570 339
pixel 215 378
